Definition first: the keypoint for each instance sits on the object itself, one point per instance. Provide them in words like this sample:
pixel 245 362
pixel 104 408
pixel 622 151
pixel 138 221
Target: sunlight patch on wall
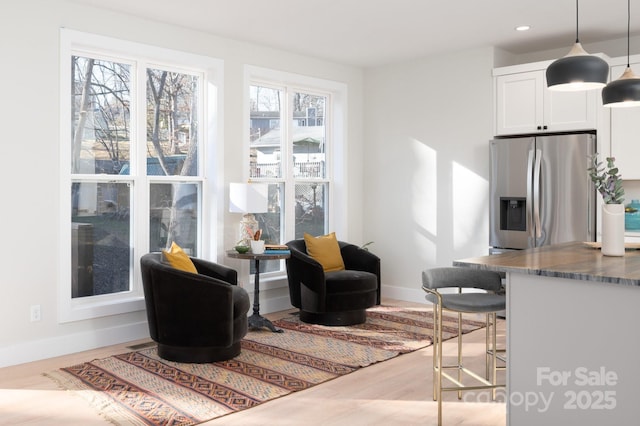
pixel 469 198
pixel 424 189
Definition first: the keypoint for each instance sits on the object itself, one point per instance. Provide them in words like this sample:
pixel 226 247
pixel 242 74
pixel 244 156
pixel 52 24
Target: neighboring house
pixel 308 152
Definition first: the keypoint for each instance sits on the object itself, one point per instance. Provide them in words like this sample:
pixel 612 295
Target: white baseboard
pixel 68 344
pixel 274 304
pixel 415 295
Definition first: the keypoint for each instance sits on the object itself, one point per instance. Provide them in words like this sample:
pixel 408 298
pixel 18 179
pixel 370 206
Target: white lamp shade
pixel 248 197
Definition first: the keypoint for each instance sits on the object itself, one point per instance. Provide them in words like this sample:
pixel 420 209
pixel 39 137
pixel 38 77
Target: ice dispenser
pixel 513 214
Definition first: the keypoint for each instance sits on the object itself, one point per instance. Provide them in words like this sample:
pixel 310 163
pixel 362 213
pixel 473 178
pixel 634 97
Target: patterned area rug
pixel 139 388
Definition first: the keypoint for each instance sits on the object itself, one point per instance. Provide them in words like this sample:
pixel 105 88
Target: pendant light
pixel 578 70
pixel 625 91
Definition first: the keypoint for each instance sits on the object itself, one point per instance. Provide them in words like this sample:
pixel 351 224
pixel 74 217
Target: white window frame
pixel 336 151
pixel 210 163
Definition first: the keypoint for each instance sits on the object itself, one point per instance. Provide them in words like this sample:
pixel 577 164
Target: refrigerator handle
pixel 529 192
pixel 536 194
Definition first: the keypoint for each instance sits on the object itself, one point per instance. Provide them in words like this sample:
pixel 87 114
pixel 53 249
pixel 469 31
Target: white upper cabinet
pixel 625 132
pixel 519 102
pixel 525 105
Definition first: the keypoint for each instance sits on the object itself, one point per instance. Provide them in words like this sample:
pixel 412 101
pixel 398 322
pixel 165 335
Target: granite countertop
pixel 575 260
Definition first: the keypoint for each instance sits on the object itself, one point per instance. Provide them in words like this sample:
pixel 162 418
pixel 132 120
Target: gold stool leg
pixel 435 352
pixel 440 364
pixel 494 353
pixel 437 358
pixel 460 352
pixel 487 347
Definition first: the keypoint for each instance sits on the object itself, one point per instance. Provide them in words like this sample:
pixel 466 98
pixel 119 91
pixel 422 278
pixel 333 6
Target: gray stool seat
pixel 471 302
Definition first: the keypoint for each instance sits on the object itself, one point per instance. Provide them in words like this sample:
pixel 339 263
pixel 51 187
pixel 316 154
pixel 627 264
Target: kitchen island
pixel 572 339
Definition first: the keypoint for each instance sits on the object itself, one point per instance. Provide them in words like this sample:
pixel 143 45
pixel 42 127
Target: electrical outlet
pixel 35 313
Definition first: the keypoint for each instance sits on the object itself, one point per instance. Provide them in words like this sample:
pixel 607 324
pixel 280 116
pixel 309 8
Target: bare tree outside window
pixel 172 122
pixel 103 144
pixel 100 115
pixel 172 150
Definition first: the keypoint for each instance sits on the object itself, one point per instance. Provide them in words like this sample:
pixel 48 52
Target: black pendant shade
pixel 577 71
pixel 623 92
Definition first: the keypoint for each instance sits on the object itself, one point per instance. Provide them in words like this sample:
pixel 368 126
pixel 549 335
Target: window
pixel 291 147
pixel 135 175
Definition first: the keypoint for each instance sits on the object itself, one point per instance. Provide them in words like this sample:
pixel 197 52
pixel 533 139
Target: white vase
pixel 613 229
pixel 257 246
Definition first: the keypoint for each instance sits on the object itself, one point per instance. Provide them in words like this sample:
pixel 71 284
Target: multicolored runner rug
pixel 139 388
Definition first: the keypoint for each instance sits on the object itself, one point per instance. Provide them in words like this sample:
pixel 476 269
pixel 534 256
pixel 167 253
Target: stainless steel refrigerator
pixel 540 191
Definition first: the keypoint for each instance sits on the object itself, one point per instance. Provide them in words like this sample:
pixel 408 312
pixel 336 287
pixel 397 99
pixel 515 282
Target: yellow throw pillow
pixel 178 259
pixel 325 250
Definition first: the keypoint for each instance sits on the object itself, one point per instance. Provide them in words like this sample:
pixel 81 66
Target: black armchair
pixel 337 297
pixel 194 317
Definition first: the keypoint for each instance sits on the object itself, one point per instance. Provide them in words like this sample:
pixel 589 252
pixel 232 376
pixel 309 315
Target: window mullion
pixel 287 154
pixel 139 170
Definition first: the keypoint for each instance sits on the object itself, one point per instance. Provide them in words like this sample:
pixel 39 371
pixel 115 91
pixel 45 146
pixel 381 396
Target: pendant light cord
pixel 628 29
pixel 577 38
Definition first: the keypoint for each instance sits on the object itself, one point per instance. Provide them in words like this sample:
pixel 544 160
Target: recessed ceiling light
pixel 523 28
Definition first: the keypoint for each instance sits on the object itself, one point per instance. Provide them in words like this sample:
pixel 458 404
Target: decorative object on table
pixel 257 245
pixel 598 245
pixel 241 249
pixel 270 366
pixel 632 216
pixel 609 184
pixel 613 229
pixel 248 198
pixel 577 70
pixel 276 249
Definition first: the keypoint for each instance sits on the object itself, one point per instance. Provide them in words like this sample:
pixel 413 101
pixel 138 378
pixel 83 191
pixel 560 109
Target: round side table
pixel 257 321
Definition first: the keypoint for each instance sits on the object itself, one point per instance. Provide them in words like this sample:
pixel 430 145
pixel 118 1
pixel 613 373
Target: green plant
pixel 366 246
pixel 607 180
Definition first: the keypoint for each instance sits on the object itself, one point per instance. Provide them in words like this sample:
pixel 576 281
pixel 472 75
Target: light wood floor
pixel 398 391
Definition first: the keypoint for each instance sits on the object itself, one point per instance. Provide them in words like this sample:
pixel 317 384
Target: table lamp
pixel 248 198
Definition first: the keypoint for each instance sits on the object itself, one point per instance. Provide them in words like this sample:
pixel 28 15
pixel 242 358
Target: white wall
pixel 417 173
pixel 427 132
pixel 29 31
pixel 427 128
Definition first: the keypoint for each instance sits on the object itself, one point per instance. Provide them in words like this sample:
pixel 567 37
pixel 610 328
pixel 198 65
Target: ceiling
pixel 369 33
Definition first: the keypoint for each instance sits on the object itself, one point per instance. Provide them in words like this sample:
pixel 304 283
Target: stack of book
pixel 276 249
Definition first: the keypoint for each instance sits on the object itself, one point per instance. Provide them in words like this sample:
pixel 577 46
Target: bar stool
pixel 487 303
